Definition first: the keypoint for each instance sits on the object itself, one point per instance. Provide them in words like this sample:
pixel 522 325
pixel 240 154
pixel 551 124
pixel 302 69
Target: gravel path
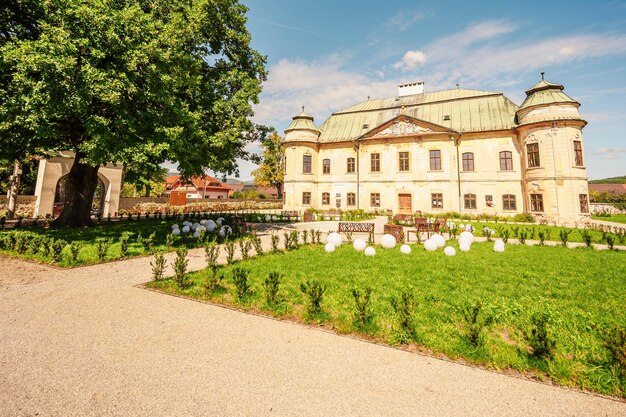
pixel 88 342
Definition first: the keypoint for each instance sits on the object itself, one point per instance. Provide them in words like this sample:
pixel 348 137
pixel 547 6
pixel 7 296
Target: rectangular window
pixel 403 161
pixel 350 165
pixel 326 166
pixel 470 201
pixel 508 202
pixel 306 198
pixel 375 162
pixel 306 164
pixel 325 198
pixel 506 161
pixel 468 161
pixel 584 203
pixel 436 200
pixel 578 153
pixel 536 202
pixel 375 199
pixel 532 149
pixel 351 199
pixel 435 160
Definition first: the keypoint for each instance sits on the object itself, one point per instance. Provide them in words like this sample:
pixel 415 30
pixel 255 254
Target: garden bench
pixel 421 225
pixel 396 231
pixel 354 227
pixel 404 219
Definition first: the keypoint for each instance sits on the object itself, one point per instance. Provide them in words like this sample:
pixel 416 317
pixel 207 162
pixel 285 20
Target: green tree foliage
pixel 271 170
pixel 134 82
pixel 137 182
pixel 28 178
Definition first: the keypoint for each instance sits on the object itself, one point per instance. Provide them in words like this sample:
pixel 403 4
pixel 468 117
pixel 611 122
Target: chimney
pixel 411 89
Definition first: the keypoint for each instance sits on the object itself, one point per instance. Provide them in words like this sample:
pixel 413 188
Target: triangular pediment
pixel 403 125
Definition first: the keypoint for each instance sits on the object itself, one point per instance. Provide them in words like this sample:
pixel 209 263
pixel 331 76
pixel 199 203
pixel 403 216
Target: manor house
pixel 460 150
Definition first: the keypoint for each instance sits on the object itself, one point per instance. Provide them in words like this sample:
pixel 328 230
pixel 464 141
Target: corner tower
pixel 554 179
pixel 301 157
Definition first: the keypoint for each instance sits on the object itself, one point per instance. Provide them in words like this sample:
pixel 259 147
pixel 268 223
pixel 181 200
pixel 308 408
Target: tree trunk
pixel 148 187
pixel 279 189
pixel 82 181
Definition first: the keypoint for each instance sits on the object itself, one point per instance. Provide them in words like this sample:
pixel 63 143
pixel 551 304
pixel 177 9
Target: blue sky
pixel 327 55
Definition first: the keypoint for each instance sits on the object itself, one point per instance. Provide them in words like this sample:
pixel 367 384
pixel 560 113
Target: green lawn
pixel 552 233
pixel 617 218
pixel 87 239
pixel 583 291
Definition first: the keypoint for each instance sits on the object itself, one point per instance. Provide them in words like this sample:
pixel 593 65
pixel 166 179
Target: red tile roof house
pixel 608 188
pixel 197 187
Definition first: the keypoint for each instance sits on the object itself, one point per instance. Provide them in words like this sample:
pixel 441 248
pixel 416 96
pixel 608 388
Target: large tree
pixel 271 170
pixel 131 82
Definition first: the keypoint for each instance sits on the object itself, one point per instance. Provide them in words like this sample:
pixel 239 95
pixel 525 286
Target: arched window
pixel 468 161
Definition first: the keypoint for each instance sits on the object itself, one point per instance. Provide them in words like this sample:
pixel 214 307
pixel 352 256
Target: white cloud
pixel 610 157
pixel 602 151
pixel 322 86
pixel 411 60
pixel 403 20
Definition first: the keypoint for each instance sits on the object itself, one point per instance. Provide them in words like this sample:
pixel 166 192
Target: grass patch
pixel 102 243
pixel 580 294
pixel 617 218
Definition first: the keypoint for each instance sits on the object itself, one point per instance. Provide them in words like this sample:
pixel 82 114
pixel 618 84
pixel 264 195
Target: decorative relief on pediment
pixel 403 128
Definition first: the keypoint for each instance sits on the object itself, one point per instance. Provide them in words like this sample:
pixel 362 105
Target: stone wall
pixel 25 205
pixel 605 208
pixel 127 203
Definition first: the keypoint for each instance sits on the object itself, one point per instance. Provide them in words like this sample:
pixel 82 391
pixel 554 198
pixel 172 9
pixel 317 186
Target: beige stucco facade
pixel 476 186
pixel 51 170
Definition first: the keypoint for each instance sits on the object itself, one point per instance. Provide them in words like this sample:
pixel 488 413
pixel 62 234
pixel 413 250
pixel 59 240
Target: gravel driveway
pixel 88 342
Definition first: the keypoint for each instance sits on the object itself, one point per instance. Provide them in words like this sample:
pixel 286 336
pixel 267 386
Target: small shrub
pixel 564 236
pixel 522 236
pixel 542 237
pixel 271 286
pixel 170 239
pixel 211 253
pixel 214 281
pixel 318 237
pixel 487 232
pixel 515 230
pixel 240 279
pixel 158 266
pixel 349 236
pixel 275 239
pixel 524 218
pixel 102 246
pixel 21 243
pixel 475 322
pixel 539 337
pixel 362 301
pixel 230 252
pixel 148 242
pixel 404 307
pixel 33 244
pixel 75 248
pixel 287 240
pixel 180 267
pixel 245 245
pixel 294 239
pixel 124 246
pixel 615 344
pixel 586 237
pixel 610 241
pixel 56 249
pixel 505 235
pixel 258 245
pixel 314 292
pixel 305 236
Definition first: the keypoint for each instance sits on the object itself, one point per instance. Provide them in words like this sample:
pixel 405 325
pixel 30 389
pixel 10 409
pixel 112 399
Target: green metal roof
pixel 467 111
pixel 302 121
pixel 545 92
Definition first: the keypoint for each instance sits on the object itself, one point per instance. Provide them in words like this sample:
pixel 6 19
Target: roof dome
pixel 302 121
pixel 545 92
